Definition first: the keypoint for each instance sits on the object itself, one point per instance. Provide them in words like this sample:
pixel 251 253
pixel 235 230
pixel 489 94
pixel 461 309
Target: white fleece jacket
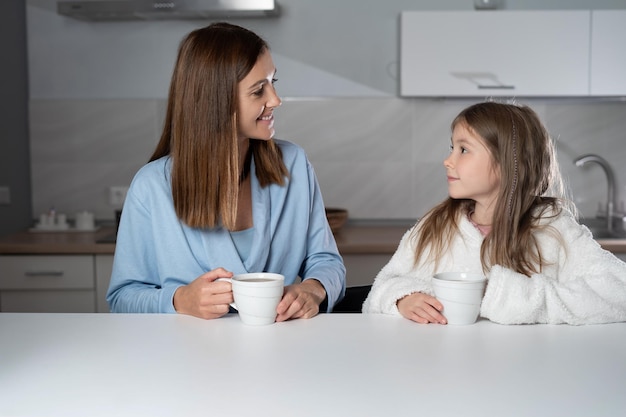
pixel 581 284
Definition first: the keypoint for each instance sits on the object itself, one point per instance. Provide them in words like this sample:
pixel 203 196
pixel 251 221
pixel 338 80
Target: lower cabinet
pixel 54 283
pixel 78 283
pixel 361 269
pixel 104 268
pixel 47 301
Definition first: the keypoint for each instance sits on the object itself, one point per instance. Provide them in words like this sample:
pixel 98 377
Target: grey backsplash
pixel 380 158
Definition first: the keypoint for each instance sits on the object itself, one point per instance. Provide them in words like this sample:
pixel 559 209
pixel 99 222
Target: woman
pixel 220 196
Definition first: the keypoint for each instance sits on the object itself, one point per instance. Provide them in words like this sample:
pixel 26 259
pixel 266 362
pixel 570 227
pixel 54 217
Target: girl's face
pixel 470 168
pixel 257 100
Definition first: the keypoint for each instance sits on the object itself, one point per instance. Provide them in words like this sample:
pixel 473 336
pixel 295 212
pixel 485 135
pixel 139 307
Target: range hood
pixel 111 10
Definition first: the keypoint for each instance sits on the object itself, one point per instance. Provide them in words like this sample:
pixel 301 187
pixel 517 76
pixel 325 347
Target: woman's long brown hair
pixel 530 188
pixel 200 129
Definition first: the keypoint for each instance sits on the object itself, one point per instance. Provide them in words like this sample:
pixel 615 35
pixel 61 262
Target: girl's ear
pixel 497 171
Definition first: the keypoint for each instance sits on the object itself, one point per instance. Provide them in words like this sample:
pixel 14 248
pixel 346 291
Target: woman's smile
pixel 268 118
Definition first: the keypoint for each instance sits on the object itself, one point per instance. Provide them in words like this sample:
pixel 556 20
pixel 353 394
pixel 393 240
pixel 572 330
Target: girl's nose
pixel 448 162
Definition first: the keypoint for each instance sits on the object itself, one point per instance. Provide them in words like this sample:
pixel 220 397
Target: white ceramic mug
pixel 461 294
pixel 257 295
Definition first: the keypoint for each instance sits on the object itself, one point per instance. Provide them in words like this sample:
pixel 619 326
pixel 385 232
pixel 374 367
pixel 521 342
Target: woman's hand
pixel 421 308
pixel 204 297
pixel 301 301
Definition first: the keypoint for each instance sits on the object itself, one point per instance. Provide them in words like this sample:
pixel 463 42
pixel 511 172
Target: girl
pixel 506 216
pixel 221 196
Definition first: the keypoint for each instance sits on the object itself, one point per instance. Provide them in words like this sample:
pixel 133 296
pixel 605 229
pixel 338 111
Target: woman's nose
pixel 274 100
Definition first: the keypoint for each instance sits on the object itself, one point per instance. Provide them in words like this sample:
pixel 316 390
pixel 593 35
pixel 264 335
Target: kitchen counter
pixel 52 243
pixel 351 239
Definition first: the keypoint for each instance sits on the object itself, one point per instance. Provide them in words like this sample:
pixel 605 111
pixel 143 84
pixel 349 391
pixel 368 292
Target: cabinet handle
pixel 43 273
pixel 496 87
pixel 483 80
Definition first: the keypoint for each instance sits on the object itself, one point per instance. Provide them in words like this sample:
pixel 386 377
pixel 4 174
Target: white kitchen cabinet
pixel 104 268
pixel 608 52
pixel 53 283
pixel 495 53
pixel 361 269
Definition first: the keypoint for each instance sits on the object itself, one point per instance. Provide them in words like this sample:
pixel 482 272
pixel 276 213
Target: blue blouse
pixel 156 252
pixel 243 242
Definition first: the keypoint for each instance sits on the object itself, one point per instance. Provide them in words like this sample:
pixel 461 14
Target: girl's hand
pixel 421 308
pixel 204 297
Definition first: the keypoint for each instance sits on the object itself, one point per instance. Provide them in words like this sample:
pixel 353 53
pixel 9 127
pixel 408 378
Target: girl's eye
pixel 462 149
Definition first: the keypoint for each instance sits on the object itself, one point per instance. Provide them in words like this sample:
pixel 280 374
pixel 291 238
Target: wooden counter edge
pixel 351 239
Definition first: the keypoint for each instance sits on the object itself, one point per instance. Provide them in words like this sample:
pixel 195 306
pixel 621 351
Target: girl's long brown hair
pixel 530 188
pixel 200 129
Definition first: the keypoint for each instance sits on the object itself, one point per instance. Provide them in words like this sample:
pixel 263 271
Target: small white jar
pixel 85 221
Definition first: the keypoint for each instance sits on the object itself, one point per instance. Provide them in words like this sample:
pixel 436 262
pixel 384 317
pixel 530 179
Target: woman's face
pixel 257 100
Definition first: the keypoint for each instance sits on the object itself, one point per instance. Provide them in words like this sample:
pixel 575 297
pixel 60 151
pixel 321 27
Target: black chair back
pixel 353 301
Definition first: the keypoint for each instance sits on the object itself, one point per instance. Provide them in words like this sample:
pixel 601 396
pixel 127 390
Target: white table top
pixel 332 365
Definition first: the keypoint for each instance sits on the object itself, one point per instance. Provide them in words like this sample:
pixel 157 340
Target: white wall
pixel 97 95
pixel 322 48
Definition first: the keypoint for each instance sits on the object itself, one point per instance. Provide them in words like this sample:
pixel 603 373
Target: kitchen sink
pixel 597 227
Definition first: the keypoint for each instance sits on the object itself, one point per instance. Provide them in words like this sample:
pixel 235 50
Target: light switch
pixel 117 194
pixel 5 195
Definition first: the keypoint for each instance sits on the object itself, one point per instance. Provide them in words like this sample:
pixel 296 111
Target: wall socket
pixel 486 4
pixel 5 195
pixel 117 194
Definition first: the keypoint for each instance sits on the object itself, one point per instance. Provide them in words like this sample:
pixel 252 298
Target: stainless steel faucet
pixel 610 178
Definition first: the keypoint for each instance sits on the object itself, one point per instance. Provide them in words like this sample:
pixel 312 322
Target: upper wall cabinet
pixel 496 53
pixel 608 52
